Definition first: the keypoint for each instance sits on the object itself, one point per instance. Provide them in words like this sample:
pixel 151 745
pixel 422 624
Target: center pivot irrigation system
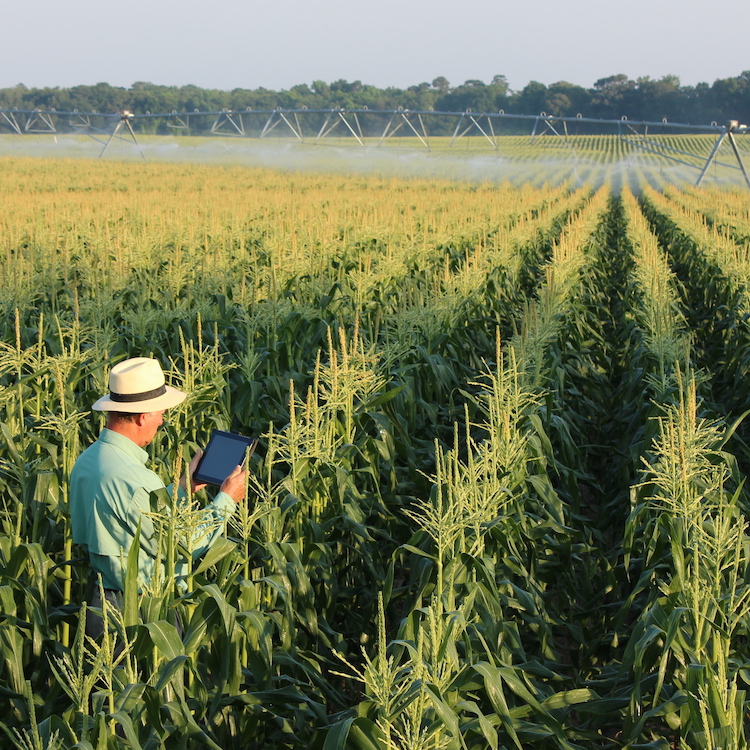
pixel 366 126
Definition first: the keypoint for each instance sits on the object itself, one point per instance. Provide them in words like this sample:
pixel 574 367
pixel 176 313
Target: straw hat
pixel 137 385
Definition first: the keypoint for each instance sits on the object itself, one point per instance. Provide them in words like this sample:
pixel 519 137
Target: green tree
pixel 531 100
pixel 613 97
pixel 441 84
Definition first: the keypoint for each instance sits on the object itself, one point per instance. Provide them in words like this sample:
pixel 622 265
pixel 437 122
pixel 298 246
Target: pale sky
pixel 277 44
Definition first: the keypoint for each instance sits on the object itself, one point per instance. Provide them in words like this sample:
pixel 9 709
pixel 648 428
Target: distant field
pixel 518 159
pixel 499 499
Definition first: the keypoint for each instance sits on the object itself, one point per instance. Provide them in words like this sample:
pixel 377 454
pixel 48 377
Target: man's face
pixel 152 421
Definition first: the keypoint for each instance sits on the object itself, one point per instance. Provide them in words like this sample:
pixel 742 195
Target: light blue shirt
pixel 109 496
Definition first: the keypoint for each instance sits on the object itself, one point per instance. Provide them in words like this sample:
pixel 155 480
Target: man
pixel 110 484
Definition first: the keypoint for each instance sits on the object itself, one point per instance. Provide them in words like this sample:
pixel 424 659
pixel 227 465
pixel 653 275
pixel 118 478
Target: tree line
pixel 609 98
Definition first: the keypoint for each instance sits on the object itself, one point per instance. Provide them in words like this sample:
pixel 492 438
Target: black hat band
pixel 125 398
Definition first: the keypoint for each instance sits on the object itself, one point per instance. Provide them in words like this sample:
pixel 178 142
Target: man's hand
pixel 192 466
pixel 234 485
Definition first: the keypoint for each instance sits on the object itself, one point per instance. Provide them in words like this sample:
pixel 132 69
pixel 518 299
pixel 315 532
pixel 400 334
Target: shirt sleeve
pixel 217 513
pixel 205 528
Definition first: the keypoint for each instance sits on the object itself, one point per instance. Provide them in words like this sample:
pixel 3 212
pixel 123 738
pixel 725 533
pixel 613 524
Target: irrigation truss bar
pixel 642 134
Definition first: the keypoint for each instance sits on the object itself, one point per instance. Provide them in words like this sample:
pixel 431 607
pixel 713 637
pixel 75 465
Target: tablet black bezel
pixel 248 442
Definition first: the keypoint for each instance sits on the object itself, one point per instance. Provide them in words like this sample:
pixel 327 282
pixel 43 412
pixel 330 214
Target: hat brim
pixel 170 398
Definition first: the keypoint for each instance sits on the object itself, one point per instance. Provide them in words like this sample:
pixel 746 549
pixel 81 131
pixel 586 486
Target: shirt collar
pixel 124 444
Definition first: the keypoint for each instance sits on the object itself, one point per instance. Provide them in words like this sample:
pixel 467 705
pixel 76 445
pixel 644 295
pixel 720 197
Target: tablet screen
pixel 224 451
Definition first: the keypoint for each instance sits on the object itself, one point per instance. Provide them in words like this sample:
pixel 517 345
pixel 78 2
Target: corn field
pixel 545 158
pixel 499 496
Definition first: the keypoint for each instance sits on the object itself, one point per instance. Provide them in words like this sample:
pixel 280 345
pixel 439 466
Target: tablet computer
pixel 224 451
